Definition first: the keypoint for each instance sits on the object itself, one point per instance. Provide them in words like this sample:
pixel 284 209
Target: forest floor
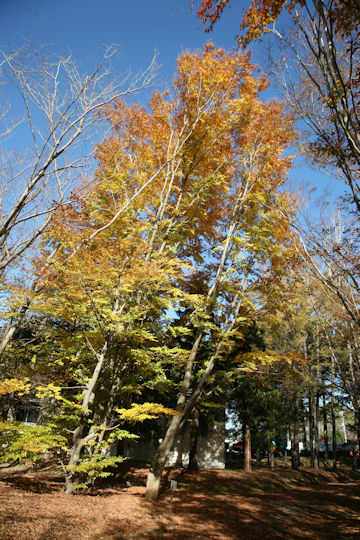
pixel 225 505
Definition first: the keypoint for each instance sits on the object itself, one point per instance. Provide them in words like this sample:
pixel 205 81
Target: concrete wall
pixel 210 447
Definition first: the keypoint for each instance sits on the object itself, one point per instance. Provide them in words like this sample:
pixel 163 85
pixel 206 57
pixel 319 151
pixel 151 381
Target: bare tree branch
pixel 60 102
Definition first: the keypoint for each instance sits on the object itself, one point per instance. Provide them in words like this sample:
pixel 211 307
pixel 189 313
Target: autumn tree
pixel 57 128
pixel 205 162
pixel 284 322
pixel 246 244
pixel 323 86
pixel 339 334
pixel 320 331
pixel 318 68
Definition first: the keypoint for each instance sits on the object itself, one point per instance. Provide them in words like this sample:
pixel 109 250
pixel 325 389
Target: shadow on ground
pixel 222 505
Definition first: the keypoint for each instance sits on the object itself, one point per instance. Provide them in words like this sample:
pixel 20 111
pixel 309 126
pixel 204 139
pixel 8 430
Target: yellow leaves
pixel 178 330
pixel 50 391
pixel 207 143
pixel 174 355
pixel 293 357
pixel 256 361
pixel 53 392
pixel 93 467
pixel 8 386
pixel 214 115
pixel 144 411
pixel 141 334
pixel 27 442
pixel 252 361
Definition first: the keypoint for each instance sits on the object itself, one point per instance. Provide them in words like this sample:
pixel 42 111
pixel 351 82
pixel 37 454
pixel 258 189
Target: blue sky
pixel 139 27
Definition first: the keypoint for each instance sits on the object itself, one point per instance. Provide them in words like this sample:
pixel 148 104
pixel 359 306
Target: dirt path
pixel 209 504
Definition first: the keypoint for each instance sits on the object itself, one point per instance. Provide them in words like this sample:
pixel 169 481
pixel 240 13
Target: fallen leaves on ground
pixel 207 504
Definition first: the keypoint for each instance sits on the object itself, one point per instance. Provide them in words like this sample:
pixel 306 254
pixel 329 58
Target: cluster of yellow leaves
pixel 214 106
pixel 254 360
pixel 93 467
pixel 21 442
pixel 51 390
pixel 8 386
pixel 144 411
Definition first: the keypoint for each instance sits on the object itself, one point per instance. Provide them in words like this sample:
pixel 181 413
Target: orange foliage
pixel 205 142
pixel 261 13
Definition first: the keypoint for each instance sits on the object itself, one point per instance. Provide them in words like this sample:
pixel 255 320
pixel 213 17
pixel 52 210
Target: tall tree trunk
pixel 271 458
pixel 193 460
pixel 326 435
pixel 311 426
pixel 184 407
pixel 184 404
pixel 316 401
pixel 247 442
pixel 5 404
pixel 353 391
pixel 316 431
pixel 294 463
pixel 333 416
pixel 333 424
pixel 74 459
pixel 356 445
pixel 295 454
pixel 314 428
pixel 78 439
pixel 160 457
pixel 13 326
pixel 304 420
